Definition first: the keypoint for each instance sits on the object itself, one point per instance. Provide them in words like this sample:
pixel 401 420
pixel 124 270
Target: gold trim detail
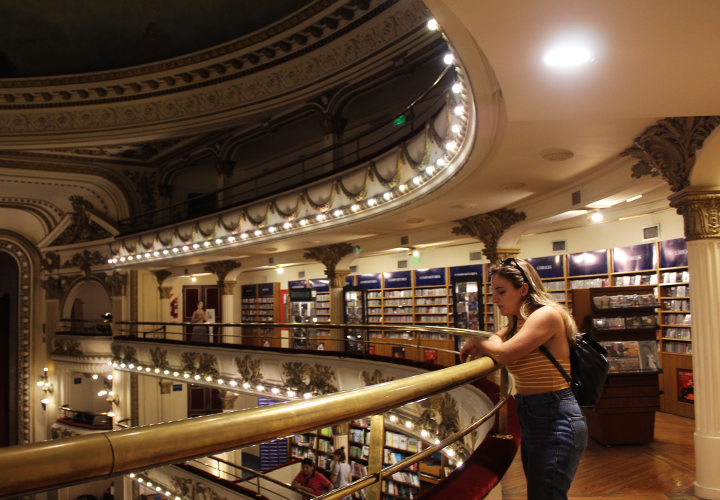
pixel 124 354
pixel 329 255
pixel 159 358
pixel 488 228
pixel 222 268
pixel 194 490
pixel 304 377
pixel 67 347
pixel 250 369
pixel 700 211
pixel 199 363
pixel 374 378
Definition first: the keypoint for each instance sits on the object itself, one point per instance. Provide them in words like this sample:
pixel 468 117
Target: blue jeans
pixel 553 438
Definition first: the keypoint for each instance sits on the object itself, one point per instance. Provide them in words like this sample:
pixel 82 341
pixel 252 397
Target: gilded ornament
pixel 159 358
pixel 188 489
pixel 440 415
pixel 668 148
pixel 304 378
pixel 701 213
pixel 199 363
pixel 250 369
pixel 161 276
pixel 81 227
pixel 50 262
pixel 145 184
pixel 222 268
pixel 85 261
pixel 124 354
pixel 330 255
pixel 374 378
pixel 67 347
pixel 488 228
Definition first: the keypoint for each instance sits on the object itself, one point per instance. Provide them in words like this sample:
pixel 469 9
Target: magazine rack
pixel 624 320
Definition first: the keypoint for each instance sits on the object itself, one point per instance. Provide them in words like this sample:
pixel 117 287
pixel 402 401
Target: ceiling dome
pixel 85 36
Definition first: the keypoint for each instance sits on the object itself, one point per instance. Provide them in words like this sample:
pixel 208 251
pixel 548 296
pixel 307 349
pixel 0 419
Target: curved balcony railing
pixel 96 421
pixel 42 466
pixel 362 147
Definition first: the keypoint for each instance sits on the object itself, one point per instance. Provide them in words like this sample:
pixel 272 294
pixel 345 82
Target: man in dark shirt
pixel 310 480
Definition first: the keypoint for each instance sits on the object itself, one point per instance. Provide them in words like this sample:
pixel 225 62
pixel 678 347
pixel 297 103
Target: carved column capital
pixel 165 386
pixel 489 228
pixel 227 287
pixel 222 268
pixel 164 292
pixel 700 209
pixel 337 277
pixel 330 255
pixel 497 254
pixel 228 400
pixel 668 148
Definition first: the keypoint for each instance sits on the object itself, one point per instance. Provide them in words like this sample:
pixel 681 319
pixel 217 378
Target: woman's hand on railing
pixel 471 350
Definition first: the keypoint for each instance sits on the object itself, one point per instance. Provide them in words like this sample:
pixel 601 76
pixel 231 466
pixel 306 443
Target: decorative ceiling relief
pixel 199 363
pixel 124 354
pixel 489 228
pixel 82 228
pixel 144 152
pixel 159 358
pixel 67 347
pixel 85 261
pixel 374 378
pixel 441 415
pixel 188 489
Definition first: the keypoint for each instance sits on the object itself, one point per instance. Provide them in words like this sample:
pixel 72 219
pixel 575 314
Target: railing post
pixel 503 413
pixel 375 457
pixel 417 343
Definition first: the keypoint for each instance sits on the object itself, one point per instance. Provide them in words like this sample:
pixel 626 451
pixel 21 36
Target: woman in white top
pixel 340 475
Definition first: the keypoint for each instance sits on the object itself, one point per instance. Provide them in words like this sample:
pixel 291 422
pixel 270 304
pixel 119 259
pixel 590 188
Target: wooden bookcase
pixel 261 304
pixel 625 413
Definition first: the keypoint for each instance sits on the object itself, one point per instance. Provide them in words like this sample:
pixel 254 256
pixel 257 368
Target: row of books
pixel 325 463
pixel 430 301
pixel 678 291
pixel 630 322
pixel 398 293
pixel 398 302
pixel 432 319
pixel 401 442
pixel 589 283
pixel 406 478
pixel 360 436
pixel 393 457
pixel 304 439
pixel 554 285
pixel 325 446
pixel 359 470
pixel 400 490
pixel 676 277
pixel 557 296
pixel 426 292
pixel 360 451
pixel 678 333
pixel 637 279
pixel 399 335
pixel 398 310
pixel 303 452
pixel 469 306
pixel 433 336
pixel 678 319
pixel 678 347
pixel 614 301
pixel 432 310
pixel 676 305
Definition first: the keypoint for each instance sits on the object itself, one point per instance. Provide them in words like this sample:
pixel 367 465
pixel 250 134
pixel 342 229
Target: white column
pixel 230 335
pixel 704 266
pixel 164 315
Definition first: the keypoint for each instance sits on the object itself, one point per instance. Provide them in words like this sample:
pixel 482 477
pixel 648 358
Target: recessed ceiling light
pixel 634 198
pixel 567 56
pixel 596 217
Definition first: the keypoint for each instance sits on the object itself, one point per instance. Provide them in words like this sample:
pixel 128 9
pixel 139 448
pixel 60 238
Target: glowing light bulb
pixel 218 241
pixel 424 433
pixel 257 232
pixel 596 217
pixel 456 128
pixel 567 56
pixel 130 258
pixel 197 377
pixel 246 385
pixel 208 379
pixel 287 225
pixel 147 255
pixel 432 25
pixel 260 388
pixel 231 239
pixel 138 256
pixel 275 390
pixel 393 418
pixel 457 88
pixel 206 244
pixel 244 236
pixel 459 110
pixel 307 395
pixel 408 424
pixel 95 376
pixel 272 229
pixel 165 252
pixel 156 254
pixel 196 246
pixel 303 222
pixel 355 208
pixel 233 383
pixel 430 170
pixel 371 202
pixel 157 370
pixel 450 453
pixel 448 59
pixel 45 401
pixel 387 196
pixel 452 145
pixel 186 375
pixel 176 250
pixel 320 217
pixel 111 414
pixel 122 259
pixel 402 188
pixel 417 181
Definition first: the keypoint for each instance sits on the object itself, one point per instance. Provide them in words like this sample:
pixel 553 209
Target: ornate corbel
pixel 222 268
pixel 668 148
pixel 161 276
pixel 489 228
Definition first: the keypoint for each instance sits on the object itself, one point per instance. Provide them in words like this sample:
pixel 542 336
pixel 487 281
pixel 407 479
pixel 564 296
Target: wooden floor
pixel 660 470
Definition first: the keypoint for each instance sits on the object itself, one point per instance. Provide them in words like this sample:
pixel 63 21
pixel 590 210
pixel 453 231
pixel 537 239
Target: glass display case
pixel 355 299
pixel 302 310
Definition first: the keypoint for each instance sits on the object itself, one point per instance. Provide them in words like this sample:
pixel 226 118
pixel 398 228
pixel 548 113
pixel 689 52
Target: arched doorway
pixel 9 274
pixel 87 301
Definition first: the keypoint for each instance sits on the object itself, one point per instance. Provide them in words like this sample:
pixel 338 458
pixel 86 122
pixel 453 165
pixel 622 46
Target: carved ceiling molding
pixel 47 213
pixel 489 227
pixel 701 212
pixel 81 228
pixel 161 276
pixel 330 255
pixel 142 152
pixel 206 57
pixel 221 269
pixel 398 20
pixel 668 148
pixel 112 177
pixel 58 184
pixel 84 261
pixel 25 344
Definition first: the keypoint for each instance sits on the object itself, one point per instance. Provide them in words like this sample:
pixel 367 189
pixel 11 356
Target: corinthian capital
pixel 700 209
pixel 222 268
pixel 330 255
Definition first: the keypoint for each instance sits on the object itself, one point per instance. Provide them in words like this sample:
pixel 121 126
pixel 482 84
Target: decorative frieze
pixel 307 378
pixel 250 369
pixel 330 255
pixel 159 358
pixel 199 363
pixel 67 347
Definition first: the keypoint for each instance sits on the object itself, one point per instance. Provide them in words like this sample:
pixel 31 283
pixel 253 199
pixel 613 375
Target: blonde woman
pixel 554 433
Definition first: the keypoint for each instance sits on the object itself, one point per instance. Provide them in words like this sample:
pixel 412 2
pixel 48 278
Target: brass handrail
pixel 256 474
pixel 47 465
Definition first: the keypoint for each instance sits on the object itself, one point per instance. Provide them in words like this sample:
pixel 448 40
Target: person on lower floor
pixel 553 428
pixel 309 480
pixel 340 475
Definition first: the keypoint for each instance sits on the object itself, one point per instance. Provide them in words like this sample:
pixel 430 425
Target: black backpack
pixel 589 366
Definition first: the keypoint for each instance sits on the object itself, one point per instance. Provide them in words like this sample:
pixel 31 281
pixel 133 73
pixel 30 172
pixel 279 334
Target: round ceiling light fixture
pixel 563 57
pixel 557 154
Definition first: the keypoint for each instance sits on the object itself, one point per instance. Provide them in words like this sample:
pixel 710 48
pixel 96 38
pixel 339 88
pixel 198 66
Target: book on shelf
pixel 632 356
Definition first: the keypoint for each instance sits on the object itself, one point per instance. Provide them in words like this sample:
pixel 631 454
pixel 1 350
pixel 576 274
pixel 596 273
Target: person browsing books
pixel 553 429
pixel 340 475
pixel 309 480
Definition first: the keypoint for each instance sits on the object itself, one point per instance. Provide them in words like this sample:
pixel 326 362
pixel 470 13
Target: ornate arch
pixel 22 251
pixel 100 278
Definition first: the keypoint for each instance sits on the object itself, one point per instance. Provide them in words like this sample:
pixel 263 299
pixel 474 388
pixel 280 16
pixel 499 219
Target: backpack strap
pixel 552 359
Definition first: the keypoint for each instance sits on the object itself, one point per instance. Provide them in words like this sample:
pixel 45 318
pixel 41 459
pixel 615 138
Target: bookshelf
pixel 624 321
pixel 261 304
pixel 404 484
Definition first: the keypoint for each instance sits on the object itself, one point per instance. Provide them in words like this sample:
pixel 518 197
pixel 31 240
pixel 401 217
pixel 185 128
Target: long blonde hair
pixel 537 297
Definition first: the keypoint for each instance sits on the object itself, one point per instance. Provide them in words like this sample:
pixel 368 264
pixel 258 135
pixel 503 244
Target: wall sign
pixel 473 270
pixel 177 388
pixel 398 279
pixel 350 281
pixel 548 267
pixel 265 289
pixel 635 258
pixel 320 284
pixel 673 253
pixel 586 263
pixel 297 284
pixel 303 295
pixel 430 277
pixel 369 281
pixel 249 290
pixel 77 380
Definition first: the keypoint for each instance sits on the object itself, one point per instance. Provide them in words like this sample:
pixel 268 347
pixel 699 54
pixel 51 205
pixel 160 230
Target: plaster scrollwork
pixel 250 369
pixel 124 354
pixel 159 358
pixel 161 275
pixel 85 261
pixel 194 490
pixel 488 228
pixel 330 255
pixel 49 262
pixel 25 343
pixel 374 378
pixel 668 148
pixel 199 363
pixel 67 347
pixel 117 283
pixel 56 287
pixel 304 377
pixel 82 228
pixel 222 269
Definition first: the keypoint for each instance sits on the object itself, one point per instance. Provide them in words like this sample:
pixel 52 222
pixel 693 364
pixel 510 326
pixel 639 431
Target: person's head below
pixel 307 467
pixel 518 291
pixel 339 454
pixel 200 305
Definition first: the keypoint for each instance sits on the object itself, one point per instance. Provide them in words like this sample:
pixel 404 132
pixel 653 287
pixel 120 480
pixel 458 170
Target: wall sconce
pixel 107 391
pixel 46 386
